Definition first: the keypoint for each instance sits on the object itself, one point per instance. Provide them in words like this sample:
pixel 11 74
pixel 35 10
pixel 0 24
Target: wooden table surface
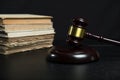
pixel 32 65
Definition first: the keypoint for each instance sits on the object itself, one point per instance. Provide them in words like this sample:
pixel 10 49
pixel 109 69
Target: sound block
pixel 81 54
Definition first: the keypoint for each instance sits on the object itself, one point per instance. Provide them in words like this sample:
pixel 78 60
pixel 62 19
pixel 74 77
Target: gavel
pixel 77 32
pixel 75 51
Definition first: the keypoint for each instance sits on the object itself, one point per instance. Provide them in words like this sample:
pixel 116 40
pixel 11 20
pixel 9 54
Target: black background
pixel 103 15
pixel 104 19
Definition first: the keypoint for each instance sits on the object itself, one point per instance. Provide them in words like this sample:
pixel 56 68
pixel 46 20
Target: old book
pixel 11 50
pixel 13 45
pixel 27 27
pixel 25 33
pixel 18 40
pixel 8 19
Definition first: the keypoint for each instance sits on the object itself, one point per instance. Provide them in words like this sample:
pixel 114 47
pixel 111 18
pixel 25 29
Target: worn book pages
pixel 18 40
pixel 13 45
pixel 17 49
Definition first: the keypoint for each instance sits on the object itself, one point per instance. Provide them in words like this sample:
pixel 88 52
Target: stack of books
pixel 23 32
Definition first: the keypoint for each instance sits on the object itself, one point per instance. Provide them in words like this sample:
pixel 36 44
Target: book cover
pixel 24 19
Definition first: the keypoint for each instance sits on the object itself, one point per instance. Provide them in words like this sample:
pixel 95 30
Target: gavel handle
pixel 100 38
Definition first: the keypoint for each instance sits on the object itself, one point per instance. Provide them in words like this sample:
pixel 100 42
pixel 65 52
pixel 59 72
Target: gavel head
pixel 77 31
pixel 79 22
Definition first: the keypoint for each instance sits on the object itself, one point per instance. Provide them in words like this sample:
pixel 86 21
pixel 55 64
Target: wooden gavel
pixel 74 51
pixel 77 32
